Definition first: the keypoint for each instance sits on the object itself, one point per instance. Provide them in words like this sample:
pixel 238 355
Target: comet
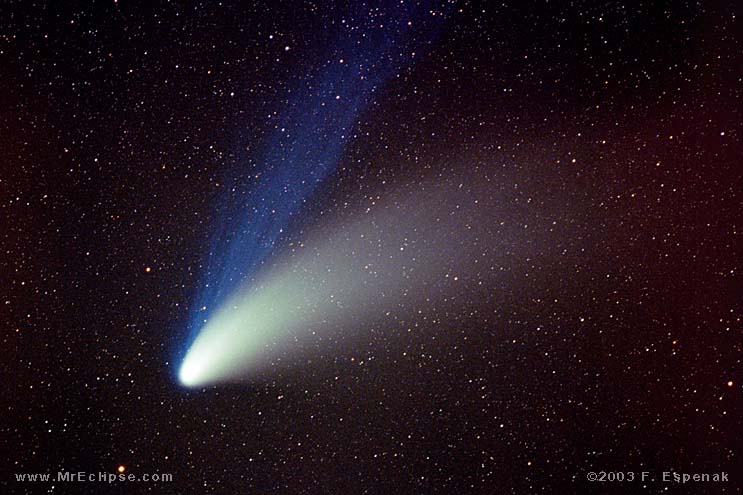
pixel 256 292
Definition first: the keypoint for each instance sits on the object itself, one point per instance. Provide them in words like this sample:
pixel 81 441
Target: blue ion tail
pixel 307 140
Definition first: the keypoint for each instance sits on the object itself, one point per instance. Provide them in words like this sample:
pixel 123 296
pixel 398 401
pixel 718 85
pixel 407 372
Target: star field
pixel 517 227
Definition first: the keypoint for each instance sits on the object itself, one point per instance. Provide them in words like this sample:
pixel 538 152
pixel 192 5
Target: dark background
pixel 610 349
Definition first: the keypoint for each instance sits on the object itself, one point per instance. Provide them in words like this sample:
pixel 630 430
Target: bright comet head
pixel 188 375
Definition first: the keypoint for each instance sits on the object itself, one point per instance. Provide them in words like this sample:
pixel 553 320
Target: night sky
pixel 482 247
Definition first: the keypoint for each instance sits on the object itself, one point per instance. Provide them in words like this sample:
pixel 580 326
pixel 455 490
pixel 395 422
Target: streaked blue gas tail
pixel 307 138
